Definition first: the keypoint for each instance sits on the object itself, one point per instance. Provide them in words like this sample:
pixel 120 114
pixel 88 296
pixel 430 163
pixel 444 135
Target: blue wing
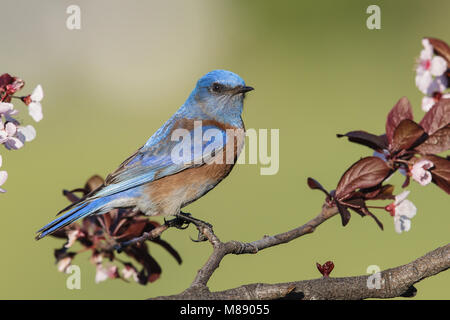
pixel 162 157
pixel 155 160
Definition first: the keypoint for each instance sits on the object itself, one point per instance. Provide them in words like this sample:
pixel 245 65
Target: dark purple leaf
pixel 141 255
pixel 358 211
pixel 345 214
pixel 401 111
pixel 407 135
pixel 130 231
pixel 436 143
pixel 365 173
pixel 319 267
pixel 315 185
pixel 169 248
pixel 70 195
pixel 379 192
pixel 326 268
pixel 437 117
pixel 406 182
pixel 369 140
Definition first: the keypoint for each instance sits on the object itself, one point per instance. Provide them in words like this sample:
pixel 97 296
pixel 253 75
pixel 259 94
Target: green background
pixel 317 71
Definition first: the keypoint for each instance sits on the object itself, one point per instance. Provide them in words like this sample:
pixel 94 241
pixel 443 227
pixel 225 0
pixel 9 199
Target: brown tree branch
pixel 394 282
pixel 390 283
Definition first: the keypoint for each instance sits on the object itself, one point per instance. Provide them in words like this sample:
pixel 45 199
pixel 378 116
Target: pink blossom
pixel 7 111
pixel 9 116
pixel 34 103
pixel 430 70
pixel 5 107
pixel 96 258
pixel 403 211
pixel 72 237
pixel 428 102
pixel 64 263
pixel 113 272
pixel 420 172
pixel 101 274
pixel 12 135
pixel 8 136
pixel 26 134
pixel 130 272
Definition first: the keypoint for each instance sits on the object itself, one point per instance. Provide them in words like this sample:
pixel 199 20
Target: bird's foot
pixel 177 222
pixel 188 218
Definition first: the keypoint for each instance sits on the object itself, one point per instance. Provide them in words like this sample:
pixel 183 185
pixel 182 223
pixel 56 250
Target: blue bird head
pixel 220 95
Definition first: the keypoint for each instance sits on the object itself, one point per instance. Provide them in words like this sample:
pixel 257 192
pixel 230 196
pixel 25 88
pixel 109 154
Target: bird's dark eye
pixel 217 87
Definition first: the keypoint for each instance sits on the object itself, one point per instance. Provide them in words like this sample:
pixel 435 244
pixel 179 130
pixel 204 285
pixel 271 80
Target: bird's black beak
pixel 244 89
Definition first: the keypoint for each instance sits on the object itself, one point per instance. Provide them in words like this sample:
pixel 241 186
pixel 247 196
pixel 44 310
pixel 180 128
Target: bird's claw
pixel 188 218
pixel 200 238
pixel 177 222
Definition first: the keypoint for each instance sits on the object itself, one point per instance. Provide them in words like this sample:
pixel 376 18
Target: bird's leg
pixel 177 222
pixel 188 218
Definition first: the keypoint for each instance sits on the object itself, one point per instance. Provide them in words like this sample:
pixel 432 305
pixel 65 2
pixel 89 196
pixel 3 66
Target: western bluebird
pixel 153 179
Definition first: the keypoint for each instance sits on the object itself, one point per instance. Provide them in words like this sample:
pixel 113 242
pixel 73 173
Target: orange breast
pixel 169 194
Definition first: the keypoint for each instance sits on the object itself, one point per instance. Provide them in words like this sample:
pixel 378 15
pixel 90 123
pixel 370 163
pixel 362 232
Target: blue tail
pixel 81 210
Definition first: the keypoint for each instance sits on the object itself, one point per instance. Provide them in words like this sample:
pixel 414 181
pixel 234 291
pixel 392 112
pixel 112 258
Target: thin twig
pixel 154 233
pixel 220 249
